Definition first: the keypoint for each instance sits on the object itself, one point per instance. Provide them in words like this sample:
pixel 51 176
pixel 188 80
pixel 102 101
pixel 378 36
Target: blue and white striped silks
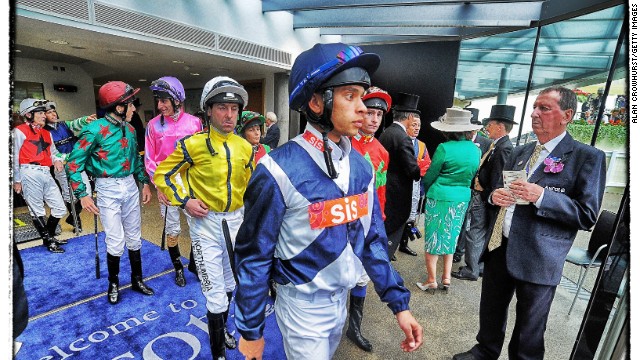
pixel 277 240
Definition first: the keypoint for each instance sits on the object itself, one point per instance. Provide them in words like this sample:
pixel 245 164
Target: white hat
pixel 455 119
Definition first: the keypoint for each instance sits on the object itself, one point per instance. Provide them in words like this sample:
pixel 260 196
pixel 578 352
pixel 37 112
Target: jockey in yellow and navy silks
pixel 215 167
pixel 107 149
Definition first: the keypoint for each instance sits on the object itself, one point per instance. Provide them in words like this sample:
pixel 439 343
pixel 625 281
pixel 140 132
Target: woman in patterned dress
pixel 448 191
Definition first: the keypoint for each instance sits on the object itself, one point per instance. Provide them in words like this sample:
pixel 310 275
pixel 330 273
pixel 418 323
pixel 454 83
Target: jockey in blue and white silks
pixel 311 233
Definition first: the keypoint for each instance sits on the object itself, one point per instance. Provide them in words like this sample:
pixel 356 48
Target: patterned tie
pixel 534 157
pixel 476 183
pixel 496 236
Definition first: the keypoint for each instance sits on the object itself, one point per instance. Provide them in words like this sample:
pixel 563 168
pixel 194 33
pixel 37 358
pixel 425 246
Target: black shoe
pixel 113 294
pixel 393 257
pixel 229 340
pixel 180 280
pixel 138 285
pixel 463 275
pixel 467 355
pixel 54 248
pixel 457 258
pixel 60 242
pixel 407 250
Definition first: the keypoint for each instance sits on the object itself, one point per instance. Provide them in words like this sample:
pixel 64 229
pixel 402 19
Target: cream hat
pixel 455 119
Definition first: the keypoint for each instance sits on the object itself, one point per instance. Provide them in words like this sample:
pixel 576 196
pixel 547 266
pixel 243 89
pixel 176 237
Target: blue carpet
pixel 76 320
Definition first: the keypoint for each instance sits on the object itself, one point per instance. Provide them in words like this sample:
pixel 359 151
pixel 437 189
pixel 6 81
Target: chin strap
pixel 327 125
pixel 324 122
pixel 327 156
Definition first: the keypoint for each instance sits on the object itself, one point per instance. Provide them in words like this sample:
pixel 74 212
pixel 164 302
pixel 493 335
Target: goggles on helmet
pixel 315 78
pixel 39 103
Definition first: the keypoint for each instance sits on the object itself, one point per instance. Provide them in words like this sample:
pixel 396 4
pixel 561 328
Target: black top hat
pixel 407 102
pixel 474 115
pixel 502 113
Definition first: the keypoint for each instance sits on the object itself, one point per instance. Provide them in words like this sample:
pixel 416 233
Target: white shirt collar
pixel 338 151
pixel 551 144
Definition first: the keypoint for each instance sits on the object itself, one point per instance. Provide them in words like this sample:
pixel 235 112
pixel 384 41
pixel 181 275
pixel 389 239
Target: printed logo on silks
pixel 338 211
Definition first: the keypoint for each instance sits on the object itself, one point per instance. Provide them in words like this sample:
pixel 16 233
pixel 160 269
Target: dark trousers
pixel 475 234
pixel 394 237
pixel 532 311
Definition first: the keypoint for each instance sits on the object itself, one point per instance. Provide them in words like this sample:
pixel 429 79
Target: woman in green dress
pixel 448 191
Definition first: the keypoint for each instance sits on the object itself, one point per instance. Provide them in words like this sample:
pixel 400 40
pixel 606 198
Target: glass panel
pixel 576 53
pixel 484 62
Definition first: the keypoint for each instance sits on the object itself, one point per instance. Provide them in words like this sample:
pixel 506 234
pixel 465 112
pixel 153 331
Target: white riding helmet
pixel 29 104
pixel 222 89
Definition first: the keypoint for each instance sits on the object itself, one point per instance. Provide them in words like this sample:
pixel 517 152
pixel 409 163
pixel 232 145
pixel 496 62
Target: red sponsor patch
pixel 313 140
pixel 338 211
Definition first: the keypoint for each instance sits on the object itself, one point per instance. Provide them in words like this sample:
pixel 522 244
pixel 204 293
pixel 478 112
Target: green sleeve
pixel 76 125
pixel 437 161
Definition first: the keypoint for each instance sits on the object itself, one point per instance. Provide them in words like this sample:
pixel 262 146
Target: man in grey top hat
pixel 497 125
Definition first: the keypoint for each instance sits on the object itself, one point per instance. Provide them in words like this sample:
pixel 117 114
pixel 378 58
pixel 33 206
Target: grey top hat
pixel 455 120
pixel 502 113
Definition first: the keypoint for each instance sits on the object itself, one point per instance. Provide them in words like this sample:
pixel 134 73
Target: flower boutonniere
pixel 553 165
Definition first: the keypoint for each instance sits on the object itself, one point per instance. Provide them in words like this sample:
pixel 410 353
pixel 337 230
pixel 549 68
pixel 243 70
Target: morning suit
pixel 482 142
pixel 402 172
pixel 530 260
pixel 272 138
pixel 474 236
pixel 490 173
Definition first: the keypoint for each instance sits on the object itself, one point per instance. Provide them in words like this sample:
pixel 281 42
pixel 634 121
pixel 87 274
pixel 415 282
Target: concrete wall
pixel 70 104
pixel 240 19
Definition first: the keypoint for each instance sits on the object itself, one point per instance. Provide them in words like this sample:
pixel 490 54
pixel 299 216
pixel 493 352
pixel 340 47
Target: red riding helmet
pixel 377 98
pixel 114 93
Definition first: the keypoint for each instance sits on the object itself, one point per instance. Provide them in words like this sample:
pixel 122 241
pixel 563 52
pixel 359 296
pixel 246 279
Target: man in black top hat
pixel 498 125
pixel 483 143
pixel 403 169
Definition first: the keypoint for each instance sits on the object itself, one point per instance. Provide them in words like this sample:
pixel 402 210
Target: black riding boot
pixel 113 265
pixel 47 241
pixel 192 264
pixel 356 304
pixel 216 326
pixel 229 340
pixel 52 224
pixel 136 273
pixel 174 253
pixel 69 219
